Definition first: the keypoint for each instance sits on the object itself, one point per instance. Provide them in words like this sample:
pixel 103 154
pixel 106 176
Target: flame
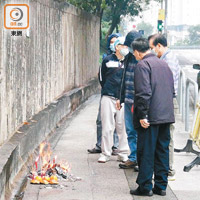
pixel 45 154
pixel 45 168
pixel 42 145
pixel 66 166
pixel 54 159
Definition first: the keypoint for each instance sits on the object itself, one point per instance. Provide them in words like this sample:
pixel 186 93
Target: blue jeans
pixel 99 132
pixel 131 132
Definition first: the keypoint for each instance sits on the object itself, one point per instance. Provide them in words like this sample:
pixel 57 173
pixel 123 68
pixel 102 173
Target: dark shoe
pixel 137 192
pixel 136 168
pixel 128 164
pixel 94 150
pixel 115 152
pixel 171 172
pixel 159 192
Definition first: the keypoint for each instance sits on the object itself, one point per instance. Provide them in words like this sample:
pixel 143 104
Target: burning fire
pixel 47 170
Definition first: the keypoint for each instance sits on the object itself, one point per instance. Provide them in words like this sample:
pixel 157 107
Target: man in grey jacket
pixel 153 114
pixel 158 43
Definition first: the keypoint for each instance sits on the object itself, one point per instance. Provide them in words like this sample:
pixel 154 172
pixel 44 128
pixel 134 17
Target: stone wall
pixel 61 53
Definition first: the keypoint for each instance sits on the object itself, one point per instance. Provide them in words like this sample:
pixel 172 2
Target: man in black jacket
pixel 110 76
pixel 97 149
pixel 153 114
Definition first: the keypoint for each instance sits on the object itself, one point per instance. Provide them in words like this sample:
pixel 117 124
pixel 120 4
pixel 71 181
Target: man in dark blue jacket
pixel 153 114
pixel 110 76
pixel 97 149
pixel 127 97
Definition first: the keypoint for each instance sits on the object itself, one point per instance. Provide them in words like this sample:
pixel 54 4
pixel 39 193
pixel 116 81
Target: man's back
pixel 154 78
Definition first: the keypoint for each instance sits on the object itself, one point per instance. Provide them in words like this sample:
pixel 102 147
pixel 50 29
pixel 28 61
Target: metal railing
pixel 187 98
pixel 183 97
pixel 181 94
pixel 184 109
pixel 194 137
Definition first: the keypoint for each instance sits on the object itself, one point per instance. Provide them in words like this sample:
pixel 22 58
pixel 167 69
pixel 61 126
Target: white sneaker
pixel 171 178
pixel 153 177
pixel 123 158
pixel 103 158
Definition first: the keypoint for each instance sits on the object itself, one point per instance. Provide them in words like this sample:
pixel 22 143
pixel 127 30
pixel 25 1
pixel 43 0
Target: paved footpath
pixel 107 181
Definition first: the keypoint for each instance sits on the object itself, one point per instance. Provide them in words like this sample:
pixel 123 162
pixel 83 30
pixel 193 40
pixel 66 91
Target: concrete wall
pixel 61 53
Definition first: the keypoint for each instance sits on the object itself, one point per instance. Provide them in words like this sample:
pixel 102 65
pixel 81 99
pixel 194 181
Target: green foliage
pixel 104 28
pixel 148 28
pixel 92 6
pixel 110 11
pixel 113 9
pixel 184 42
pixel 193 38
pixel 127 7
pixel 194 35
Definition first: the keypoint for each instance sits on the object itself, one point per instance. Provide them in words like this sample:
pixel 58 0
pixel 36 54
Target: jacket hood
pixel 110 38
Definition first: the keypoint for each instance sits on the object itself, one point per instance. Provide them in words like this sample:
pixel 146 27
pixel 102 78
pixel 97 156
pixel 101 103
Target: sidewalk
pixel 187 184
pixel 107 181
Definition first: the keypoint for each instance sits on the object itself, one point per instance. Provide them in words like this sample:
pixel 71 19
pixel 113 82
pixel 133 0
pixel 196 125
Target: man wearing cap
pixel 110 76
pixel 127 97
pixel 97 149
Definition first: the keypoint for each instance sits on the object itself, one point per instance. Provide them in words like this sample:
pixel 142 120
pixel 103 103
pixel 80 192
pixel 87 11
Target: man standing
pixel 153 114
pixel 97 149
pixel 158 43
pixel 127 97
pixel 110 77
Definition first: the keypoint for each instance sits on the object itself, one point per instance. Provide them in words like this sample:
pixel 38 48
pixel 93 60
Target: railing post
pixel 187 107
pixel 187 113
pixel 196 92
pixel 182 88
pixel 179 96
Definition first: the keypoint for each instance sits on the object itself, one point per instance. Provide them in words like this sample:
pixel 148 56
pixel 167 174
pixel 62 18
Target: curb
pixel 15 153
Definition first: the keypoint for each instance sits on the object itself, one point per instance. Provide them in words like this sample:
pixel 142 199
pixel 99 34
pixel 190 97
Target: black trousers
pixel 153 156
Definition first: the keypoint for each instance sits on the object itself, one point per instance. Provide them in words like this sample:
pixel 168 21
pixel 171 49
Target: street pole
pixel 166 14
pixel 161 4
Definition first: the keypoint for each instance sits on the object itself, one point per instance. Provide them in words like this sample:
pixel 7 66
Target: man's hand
pixel 144 123
pixel 118 105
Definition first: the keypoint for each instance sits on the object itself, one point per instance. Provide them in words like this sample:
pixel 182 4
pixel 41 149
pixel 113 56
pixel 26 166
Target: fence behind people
pixel 194 138
pixel 195 134
pixel 184 93
pixel 181 94
pixel 187 100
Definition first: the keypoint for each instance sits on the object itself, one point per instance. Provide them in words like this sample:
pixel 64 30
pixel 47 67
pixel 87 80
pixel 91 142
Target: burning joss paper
pixel 47 170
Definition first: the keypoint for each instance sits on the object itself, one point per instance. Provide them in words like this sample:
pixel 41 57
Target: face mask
pixel 124 51
pixel 112 48
pixel 153 51
pixel 130 50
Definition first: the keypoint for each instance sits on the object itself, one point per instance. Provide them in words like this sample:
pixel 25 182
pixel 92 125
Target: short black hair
pixel 141 45
pixel 152 36
pixel 160 38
